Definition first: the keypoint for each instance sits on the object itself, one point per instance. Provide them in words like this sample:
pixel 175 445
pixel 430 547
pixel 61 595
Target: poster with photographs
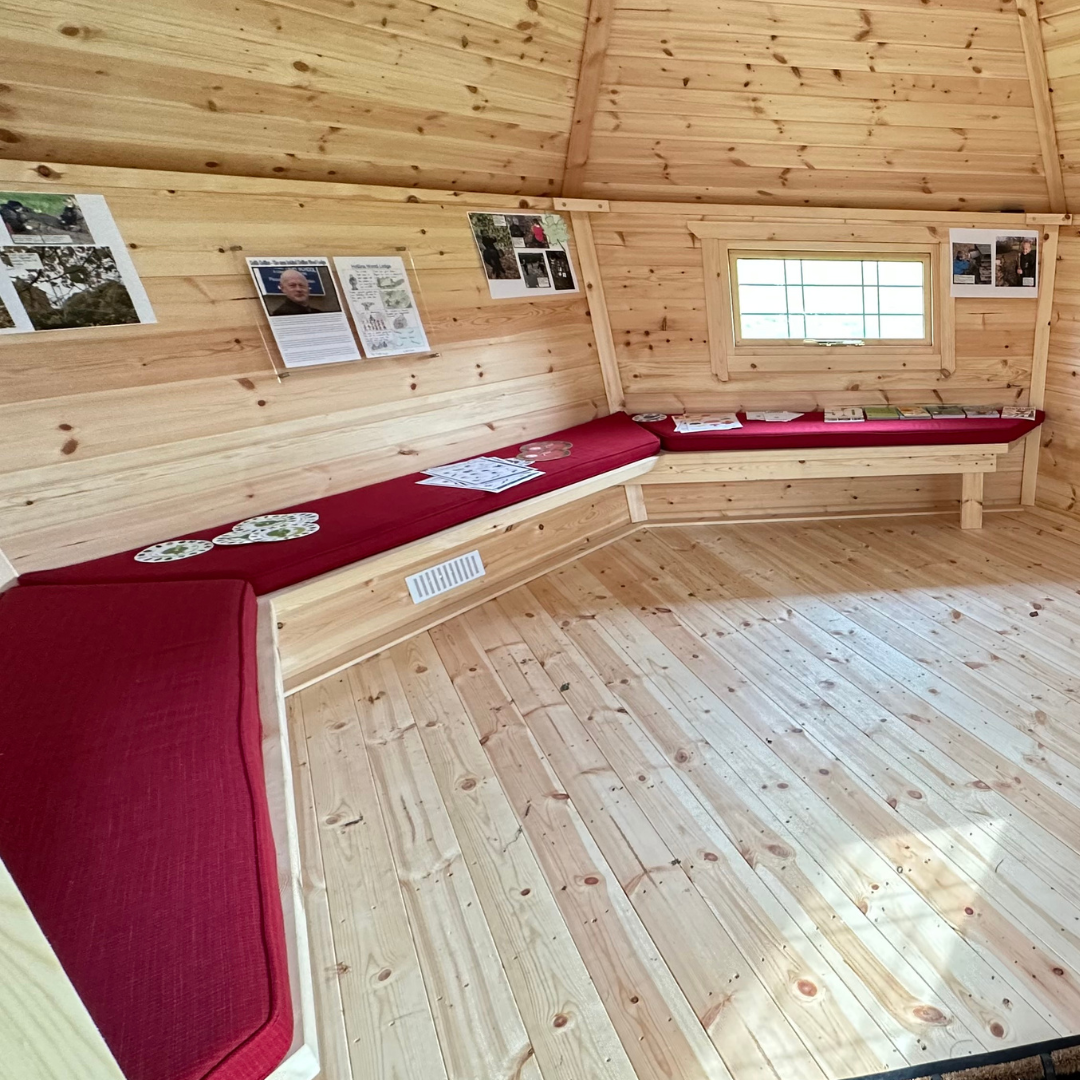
pixel 304 309
pixel 64 265
pixel 381 300
pixel 524 254
pixel 987 262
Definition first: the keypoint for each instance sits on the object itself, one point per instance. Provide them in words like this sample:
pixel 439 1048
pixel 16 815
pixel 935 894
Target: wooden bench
pixel 972 462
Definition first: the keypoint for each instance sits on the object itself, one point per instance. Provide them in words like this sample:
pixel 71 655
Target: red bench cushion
pixel 811 431
pixel 133 818
pixel 372 519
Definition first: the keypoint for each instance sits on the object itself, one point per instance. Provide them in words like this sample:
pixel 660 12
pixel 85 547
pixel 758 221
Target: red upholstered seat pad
pixel 133 818
pixel 368 520
pixel 810 431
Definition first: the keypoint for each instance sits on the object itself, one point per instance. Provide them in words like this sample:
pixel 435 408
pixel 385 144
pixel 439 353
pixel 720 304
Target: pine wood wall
pixel 1059 476
pixel 886 103
pixel 468 94
pixel 119 436
pixel 651 268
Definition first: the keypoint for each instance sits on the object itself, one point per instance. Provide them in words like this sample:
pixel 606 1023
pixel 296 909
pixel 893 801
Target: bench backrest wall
pixel 113 437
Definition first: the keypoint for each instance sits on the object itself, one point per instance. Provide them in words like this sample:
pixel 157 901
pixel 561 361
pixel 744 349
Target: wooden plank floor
pixel 747 802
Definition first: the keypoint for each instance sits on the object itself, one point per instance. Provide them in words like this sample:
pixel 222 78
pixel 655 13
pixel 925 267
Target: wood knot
pixel 806 988
pixel 997 1030
pixel 468 784
pixel 711 856
pixel 384 975
pixel 682 757
pixel 592 879
pixel 560 1021
pixel 779 851
pixel 928 1014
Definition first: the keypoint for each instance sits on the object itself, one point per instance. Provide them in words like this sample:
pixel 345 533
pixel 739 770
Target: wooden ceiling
pixel 893 103
pixel 467 94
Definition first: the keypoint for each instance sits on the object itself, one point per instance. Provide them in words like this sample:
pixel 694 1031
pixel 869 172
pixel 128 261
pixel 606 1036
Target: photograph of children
pixel 534 270
pixel 6 321
pixel 496 244
pixel 43 218
pixel 972 264
pixel 66 287
pixel 561 275
pixel 301 289
pixel 1016 261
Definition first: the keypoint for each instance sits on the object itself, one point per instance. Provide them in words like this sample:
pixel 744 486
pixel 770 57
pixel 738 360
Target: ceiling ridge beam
pixel 1027 12
pixel 590 76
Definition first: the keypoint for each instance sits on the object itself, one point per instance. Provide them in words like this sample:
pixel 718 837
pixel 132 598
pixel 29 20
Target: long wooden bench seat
pixel 145 803
pixel 810 449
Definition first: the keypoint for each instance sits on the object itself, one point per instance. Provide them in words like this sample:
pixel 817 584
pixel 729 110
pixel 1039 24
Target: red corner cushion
pixel 810 431
pixel 372 519
pixel 133 818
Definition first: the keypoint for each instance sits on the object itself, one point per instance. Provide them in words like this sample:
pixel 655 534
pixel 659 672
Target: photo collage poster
pixel 307 316
pixel 524 255
pixel 994 262
pixel 64 265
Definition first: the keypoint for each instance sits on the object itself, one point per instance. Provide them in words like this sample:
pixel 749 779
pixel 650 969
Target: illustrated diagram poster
pixel 304 309
pixel 64 265
pixel 381 300
pixel 990 262
pixel 524 254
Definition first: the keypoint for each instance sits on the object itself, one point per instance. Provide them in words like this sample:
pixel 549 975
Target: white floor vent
pixel 444 576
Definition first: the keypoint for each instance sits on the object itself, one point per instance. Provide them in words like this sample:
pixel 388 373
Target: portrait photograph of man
pixel 303 289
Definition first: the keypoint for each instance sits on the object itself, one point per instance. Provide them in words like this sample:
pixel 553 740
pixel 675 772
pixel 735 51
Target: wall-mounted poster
pixel 383 307
pixel 302 304
pixel 524 254
pixel 64 265
pixel 988 262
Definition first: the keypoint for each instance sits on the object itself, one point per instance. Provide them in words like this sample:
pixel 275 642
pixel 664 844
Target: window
pixel 821 296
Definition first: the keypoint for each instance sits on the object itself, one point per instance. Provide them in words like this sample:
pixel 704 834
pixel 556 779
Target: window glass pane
pixel 760 271
pixel 834 326
pixel 765 326
pixel 902 326
pixel 901 301
pixel 822 297
pixel 831 272
pixel 762 299
pixel 833 299
pixel 900 273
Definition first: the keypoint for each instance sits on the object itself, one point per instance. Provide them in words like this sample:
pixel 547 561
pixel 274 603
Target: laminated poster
pixel 304 309
pixel 991 262
pixel 524 255
pixel 383 307
pixel 64 265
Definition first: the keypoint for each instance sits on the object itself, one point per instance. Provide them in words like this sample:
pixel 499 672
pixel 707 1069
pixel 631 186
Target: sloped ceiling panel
pixel 469 94
pixel 890 103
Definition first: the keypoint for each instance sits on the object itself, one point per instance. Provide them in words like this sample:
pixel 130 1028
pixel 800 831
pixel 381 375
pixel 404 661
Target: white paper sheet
pixel 994 262
pixel 64 265
pixel 301 301
pixel 382 303
pixel 524 255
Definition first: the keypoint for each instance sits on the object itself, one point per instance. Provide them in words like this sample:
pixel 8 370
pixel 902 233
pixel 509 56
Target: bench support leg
pixel 971 501
pixel 635 502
